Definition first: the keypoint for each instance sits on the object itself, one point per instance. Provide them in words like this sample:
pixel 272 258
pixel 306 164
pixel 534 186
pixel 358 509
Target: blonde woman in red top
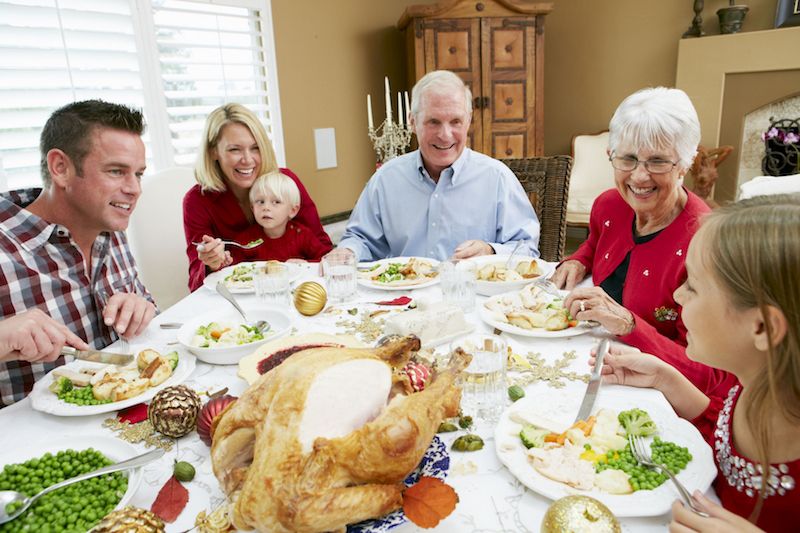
pixel 235 151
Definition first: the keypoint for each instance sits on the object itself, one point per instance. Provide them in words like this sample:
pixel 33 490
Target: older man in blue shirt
pixel 442 200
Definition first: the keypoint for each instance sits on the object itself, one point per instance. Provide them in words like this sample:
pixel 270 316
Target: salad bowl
pixel 220 337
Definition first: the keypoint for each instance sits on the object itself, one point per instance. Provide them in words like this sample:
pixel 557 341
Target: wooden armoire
pixel 497 48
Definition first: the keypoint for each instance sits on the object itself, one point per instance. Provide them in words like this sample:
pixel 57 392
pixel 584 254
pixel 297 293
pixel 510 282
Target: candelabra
pixel 389 140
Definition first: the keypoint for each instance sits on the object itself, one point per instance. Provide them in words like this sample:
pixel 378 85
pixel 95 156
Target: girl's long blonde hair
pixel 206 170
pixel 754 251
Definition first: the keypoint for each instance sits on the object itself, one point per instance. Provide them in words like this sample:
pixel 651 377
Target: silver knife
pixel 97 356
pixel 594 382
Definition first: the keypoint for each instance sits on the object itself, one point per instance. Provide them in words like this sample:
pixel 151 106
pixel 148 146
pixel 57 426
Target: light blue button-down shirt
pixel 403 212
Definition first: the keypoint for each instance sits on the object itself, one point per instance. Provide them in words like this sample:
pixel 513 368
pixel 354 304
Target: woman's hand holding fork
pixel 213 254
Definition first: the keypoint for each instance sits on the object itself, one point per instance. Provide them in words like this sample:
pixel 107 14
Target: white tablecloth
pixel 490 498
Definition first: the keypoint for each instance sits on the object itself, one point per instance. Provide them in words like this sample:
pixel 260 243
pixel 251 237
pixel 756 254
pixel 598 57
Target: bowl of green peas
pixel 77 507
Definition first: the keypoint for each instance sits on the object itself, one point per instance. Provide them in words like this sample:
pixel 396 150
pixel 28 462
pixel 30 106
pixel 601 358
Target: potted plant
pixel 731 17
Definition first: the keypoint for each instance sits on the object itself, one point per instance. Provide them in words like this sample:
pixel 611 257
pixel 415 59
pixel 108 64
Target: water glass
pixel 457 280
pixel 271 284
pixel 340 277
pixel 483 382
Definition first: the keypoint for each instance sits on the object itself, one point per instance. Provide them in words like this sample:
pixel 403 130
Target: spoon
pixel 252 244
pixel 10 496
pixel 225 293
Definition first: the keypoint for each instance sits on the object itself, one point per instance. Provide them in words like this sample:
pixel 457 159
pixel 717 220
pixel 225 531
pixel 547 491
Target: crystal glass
pixel 272 284
pixel 340 277
pixel 457 281
pixel 483 382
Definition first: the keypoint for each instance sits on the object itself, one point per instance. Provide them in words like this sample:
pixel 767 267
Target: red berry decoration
pixel 210 410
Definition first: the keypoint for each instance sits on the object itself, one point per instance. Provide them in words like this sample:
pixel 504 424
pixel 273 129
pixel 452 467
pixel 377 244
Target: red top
pixel 218 214
pixel 296 243
pixel 655 271
pixel 739 480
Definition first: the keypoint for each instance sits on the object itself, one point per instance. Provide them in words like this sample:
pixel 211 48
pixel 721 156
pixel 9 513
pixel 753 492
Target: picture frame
pixel 787 13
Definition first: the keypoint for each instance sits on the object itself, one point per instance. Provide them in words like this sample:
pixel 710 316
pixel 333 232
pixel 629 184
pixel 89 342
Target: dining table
pixel 490 497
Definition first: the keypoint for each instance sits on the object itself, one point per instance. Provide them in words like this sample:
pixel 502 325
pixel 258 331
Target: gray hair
pixel 439 82
pixel 656 119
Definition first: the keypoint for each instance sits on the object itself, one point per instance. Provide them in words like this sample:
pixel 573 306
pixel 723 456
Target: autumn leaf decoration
pixel 171 500
pixel 429 501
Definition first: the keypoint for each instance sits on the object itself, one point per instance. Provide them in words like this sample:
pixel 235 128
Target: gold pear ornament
pixel 310 298
pixel 579 513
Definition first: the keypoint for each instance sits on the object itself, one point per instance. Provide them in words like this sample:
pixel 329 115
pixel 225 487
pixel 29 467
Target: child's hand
pixel 721 520
pixel 625 365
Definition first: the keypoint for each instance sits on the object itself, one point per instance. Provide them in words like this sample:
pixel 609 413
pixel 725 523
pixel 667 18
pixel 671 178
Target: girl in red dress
pixel 741 307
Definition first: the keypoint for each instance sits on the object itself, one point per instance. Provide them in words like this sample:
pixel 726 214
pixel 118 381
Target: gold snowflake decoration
pixel 532 367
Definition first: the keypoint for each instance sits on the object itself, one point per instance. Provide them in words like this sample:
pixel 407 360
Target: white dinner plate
pixel 697 475
pixel 580 329
pixel 42 399
pixel 114 449
pixel 490 288
pixel 404 286
pixel 294 271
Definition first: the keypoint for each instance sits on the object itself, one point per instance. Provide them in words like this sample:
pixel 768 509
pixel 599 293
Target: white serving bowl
pixel 490 288
pixel 229 355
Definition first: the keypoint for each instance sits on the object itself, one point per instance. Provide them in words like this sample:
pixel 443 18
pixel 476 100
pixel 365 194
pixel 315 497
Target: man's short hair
pixel 70 129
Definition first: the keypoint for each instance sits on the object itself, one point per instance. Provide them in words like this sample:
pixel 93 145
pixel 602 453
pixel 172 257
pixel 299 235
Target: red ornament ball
pixel 210 410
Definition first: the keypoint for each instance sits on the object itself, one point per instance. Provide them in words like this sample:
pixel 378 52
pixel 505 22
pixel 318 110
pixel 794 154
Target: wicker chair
pixel 546 181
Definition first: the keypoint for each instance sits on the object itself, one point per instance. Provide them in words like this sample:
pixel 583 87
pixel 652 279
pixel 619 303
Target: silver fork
pixel 252 244
pixel 642 456
pixel 123 345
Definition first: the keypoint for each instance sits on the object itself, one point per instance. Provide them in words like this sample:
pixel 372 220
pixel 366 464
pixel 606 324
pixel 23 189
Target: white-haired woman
pixel 235 151
pixel 639 233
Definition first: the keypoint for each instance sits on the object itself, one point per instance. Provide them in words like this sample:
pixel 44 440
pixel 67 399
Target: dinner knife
pixel 594 382
pixel 95 356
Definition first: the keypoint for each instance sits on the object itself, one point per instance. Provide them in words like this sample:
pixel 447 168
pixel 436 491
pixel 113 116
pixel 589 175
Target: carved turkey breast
pixel 326 438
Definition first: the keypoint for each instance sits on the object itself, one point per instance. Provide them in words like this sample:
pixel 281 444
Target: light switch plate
pixel 325 143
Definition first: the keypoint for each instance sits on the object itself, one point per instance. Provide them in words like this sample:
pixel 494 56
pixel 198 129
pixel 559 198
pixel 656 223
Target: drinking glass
pixel 483 382
pixel 457 280
pixel 271 284
pixel 340 277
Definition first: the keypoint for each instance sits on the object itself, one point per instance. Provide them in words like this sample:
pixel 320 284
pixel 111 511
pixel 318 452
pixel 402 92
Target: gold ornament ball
pixel 310 298
pixel 174 410
pixel 579 514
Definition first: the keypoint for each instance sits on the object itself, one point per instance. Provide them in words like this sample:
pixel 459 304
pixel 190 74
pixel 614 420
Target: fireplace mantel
pixel 705 65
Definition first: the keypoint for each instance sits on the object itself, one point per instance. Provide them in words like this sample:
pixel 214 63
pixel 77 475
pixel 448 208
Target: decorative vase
pixel 731 18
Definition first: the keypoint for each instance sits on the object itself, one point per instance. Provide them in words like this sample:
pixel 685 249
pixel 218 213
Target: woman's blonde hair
pixel 753 248
pixel 206 170
pixel 283 187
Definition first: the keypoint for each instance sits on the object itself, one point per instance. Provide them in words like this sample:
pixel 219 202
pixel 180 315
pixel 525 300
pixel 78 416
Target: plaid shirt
pixel 41 266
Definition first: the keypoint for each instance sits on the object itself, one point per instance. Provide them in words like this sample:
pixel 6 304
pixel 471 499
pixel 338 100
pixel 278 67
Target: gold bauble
pixel 574 514
pixel 310 298
pixel 173 411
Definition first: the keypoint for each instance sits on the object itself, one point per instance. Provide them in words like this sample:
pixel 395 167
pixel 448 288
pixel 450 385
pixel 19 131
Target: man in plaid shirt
pixel 66 271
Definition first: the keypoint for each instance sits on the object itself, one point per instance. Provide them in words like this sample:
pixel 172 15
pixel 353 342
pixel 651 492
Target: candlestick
pixel 399 110
pixel 369 112
pixel 408 107
pixel 388 97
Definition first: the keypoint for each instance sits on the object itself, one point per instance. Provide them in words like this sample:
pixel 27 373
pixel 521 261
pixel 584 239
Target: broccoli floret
pixel 172 359
pixel 61 386
pixel 637 422
pixel 533 437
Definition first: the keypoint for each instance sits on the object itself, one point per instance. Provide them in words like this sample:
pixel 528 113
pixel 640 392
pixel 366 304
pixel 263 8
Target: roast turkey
pixel 326 438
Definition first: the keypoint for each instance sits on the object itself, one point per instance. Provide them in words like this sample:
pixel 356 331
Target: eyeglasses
pixel 653 166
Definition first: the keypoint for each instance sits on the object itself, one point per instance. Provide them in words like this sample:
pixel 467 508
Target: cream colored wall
pixel 330 53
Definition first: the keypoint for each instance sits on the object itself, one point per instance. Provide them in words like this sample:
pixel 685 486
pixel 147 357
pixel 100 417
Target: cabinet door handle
pixel 476 102
pixel 485 102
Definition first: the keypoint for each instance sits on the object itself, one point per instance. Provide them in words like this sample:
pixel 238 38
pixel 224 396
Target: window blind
pixel 53 52
pixel 209 54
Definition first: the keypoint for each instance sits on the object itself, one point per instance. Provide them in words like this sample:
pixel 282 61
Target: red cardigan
pixel 655 270
pixel 296 243
pixel 218 214
pixel 736 473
